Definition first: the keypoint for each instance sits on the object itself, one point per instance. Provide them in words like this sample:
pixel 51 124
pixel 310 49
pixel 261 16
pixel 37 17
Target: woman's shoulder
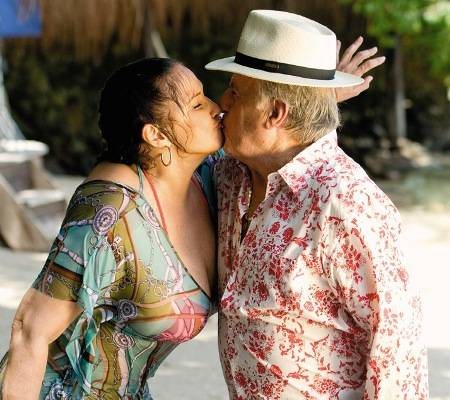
pixel 99 199
pixel 97 212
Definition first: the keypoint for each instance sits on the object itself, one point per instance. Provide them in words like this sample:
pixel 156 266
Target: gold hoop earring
pixel 166 164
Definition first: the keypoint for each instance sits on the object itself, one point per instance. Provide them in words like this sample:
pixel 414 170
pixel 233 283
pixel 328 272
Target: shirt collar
pixel 295 172
pixel 245 190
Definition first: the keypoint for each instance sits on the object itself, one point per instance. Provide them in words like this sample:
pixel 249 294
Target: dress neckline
pixel 144 199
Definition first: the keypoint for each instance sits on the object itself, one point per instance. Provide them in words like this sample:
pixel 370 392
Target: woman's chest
pixel 193 238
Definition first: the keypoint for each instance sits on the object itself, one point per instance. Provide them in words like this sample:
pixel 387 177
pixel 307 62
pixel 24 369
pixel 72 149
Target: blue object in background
pixel 17 20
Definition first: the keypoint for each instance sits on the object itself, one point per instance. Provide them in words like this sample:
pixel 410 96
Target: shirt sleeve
pixel 80 262
pixel 369 277
pixel 81 267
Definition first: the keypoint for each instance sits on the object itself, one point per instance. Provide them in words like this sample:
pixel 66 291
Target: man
pixel 316 302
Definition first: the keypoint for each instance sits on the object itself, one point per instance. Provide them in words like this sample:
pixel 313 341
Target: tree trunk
pixel 396 114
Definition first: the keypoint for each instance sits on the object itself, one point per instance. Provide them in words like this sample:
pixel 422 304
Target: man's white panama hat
pixel 282 47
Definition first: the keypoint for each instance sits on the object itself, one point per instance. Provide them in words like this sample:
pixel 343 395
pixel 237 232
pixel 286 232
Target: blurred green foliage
pixel 425 22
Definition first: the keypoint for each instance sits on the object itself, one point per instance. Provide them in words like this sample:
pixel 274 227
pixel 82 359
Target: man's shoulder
pixel 351 176
pixel 355 196
pixel 343 188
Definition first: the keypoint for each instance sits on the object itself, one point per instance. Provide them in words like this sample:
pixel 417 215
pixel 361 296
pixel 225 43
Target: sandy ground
pixel 193 370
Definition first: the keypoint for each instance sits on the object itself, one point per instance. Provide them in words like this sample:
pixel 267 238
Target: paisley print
pixel 56 392
pixel 123 341
pixel 151 217
pixel 126 309
pixel 104 220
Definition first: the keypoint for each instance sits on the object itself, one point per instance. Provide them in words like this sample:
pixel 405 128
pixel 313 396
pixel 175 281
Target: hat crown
pixel 288 38
pixel 282 47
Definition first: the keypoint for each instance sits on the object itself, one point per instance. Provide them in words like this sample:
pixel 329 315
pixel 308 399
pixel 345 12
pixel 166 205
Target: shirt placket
pixel 255 222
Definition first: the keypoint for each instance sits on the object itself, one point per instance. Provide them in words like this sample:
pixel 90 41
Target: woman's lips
pixel 220 122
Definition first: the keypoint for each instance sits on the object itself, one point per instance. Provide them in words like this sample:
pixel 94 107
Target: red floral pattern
pixel 316 302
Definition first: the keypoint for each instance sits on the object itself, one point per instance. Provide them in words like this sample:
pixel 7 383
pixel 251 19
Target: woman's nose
pixel 215 110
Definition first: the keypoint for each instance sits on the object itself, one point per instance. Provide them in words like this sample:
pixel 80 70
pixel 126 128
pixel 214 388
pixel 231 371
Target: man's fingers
pixel 348 53
pixel 343 94
pixel 363 86
pixel 366 83
pixel 338 50
pixel 360 57
pixel 368 65
pixel 357 59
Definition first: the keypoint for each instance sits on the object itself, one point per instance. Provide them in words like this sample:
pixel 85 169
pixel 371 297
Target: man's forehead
pixel 242 82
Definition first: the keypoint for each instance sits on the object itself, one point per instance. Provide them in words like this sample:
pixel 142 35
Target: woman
pixel 132 271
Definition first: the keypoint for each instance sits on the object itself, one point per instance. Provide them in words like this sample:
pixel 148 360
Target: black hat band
pixel 286 69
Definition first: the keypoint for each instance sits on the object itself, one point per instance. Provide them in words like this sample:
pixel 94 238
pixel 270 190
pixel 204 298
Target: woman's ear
pixel 154 137
pixel 277 114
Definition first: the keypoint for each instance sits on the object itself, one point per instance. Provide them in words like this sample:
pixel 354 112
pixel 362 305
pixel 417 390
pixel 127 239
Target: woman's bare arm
pixel 39 320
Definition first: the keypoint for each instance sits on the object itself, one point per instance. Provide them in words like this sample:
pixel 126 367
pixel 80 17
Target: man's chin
pixel 227 148
pixel 222 142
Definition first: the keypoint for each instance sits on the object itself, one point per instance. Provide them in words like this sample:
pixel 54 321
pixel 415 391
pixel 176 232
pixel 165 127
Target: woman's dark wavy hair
pixel 133 96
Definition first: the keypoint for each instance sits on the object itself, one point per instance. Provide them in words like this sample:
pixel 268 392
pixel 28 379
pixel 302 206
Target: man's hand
pixel 356 64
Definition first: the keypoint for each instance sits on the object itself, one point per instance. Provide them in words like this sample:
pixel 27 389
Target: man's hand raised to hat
pixel 356 64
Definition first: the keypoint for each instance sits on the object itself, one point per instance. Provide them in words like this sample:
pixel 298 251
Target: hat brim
pixel 341 79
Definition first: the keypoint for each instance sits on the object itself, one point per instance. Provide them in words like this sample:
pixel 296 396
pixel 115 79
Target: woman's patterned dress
pixel 139 301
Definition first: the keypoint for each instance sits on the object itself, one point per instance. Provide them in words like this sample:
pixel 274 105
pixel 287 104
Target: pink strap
pixel 158 204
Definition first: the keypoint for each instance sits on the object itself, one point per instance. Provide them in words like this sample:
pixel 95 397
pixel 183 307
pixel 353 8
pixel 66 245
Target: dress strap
pixel 141 178
pixel 158 204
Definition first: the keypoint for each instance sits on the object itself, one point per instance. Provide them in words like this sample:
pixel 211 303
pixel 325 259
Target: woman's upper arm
pixel 80 264
pixel 40 315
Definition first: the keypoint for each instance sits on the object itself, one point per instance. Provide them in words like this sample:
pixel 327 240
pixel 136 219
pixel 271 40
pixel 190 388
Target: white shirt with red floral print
pixel 316 302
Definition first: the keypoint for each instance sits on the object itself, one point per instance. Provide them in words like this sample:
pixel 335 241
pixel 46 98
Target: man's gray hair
pixel 313 111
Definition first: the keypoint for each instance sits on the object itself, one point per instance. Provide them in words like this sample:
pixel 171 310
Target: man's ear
pixel 277 114
pixel 154 137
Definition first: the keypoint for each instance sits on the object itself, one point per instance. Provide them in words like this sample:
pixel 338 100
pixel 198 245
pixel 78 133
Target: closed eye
pixel 197 106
